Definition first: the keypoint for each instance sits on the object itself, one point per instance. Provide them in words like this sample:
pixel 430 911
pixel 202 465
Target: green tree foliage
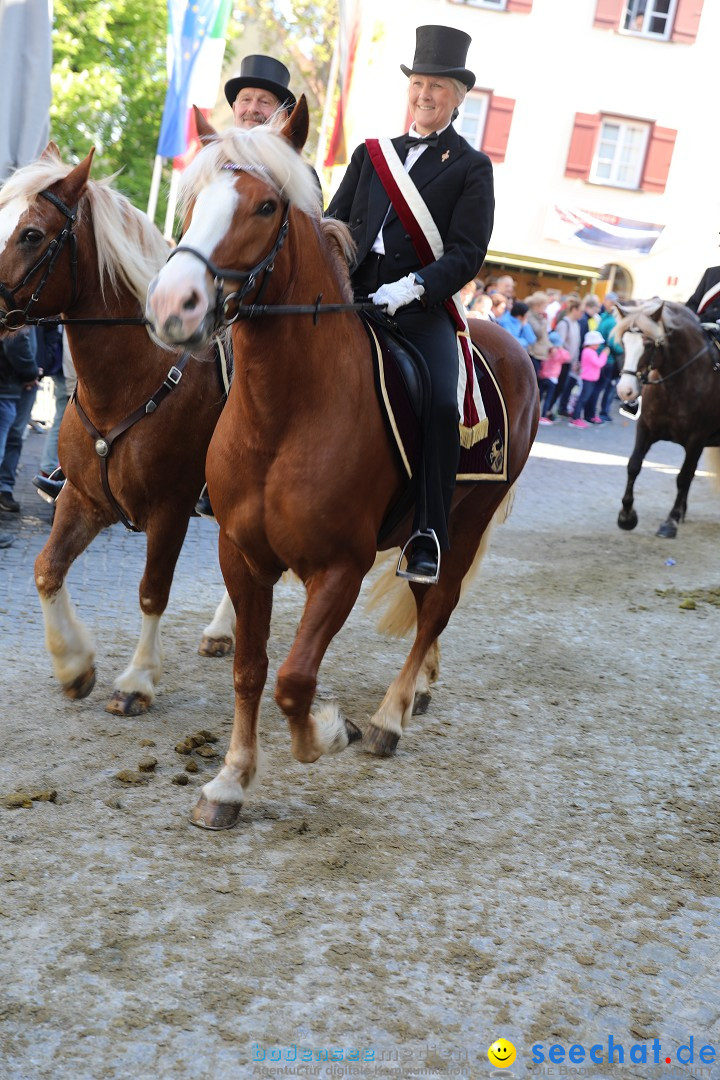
pixel 109 81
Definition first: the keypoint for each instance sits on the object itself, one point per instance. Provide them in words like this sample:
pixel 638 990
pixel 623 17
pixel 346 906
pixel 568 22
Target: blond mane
pixel 129 247
pixel 261 149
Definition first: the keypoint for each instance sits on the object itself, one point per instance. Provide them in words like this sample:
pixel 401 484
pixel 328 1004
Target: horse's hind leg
pixel 435 604
pixel 68 640
pixel 134 690
pixel 627 518
pixel 219 636
pixel 668 529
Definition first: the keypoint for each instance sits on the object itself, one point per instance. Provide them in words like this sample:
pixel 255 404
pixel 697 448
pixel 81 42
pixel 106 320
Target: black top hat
pixel 265 73
pixel 441 50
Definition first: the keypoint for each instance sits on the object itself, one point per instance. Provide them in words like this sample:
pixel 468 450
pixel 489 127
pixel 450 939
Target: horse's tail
pixel 712 454
pixel 393 594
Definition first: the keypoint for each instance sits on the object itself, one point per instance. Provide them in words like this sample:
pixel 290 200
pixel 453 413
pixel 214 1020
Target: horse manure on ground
pixel 130 776
pixel 192 766
pixel 25 799
pixel 181 778
pixel 147 764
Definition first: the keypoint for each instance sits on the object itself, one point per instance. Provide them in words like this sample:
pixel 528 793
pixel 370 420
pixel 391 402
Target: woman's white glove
pixel 397 294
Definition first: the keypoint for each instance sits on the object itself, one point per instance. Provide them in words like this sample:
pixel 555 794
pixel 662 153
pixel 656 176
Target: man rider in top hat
pixel 455 183
pixel 258 91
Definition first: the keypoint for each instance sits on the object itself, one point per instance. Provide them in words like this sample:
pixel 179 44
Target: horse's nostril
pixel 192 301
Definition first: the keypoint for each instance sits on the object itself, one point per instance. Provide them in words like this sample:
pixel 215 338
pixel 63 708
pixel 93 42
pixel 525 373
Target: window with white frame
pixel 495 5
pixel 473 115
pixel 620 154
pixel 651 18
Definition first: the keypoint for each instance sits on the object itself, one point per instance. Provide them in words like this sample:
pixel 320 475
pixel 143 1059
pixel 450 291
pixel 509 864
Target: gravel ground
pixel 538 863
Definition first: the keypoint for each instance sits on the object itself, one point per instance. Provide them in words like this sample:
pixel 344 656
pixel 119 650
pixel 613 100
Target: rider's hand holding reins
pixel 398 293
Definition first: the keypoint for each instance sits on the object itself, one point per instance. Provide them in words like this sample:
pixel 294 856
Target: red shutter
pixel 687 19
pixel 497 127
pixel 658 158
pixel 522 6
pixel 582 145
pixel 608 14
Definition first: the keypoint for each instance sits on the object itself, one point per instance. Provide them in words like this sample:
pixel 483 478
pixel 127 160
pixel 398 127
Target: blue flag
pixel 189 23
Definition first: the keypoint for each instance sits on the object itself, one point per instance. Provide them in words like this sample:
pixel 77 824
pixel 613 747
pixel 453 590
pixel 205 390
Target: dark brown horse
pixel 301 470
pixel 676 365
pixel 83 250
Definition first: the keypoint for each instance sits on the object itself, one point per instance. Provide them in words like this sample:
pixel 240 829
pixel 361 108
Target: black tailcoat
pixel 712 312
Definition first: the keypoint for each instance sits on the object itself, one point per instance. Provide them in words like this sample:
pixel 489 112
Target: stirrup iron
pixel 420 579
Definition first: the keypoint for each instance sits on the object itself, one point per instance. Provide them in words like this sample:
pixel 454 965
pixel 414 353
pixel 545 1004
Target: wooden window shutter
pixel 608 14
pixel 582 145
pixel 524 7
pixel 687 20
pixel 658 158
pixel 497 127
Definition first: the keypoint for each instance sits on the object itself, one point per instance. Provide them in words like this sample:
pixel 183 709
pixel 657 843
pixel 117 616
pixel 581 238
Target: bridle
pixel 659 344
pixel 248 278
pixel 15 316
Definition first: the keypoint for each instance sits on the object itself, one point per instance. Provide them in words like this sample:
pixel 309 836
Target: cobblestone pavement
pixel 538 863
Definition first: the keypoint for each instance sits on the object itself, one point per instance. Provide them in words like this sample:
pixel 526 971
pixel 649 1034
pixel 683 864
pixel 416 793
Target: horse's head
pixel 38 215
pixel 648 332
pixel 236 195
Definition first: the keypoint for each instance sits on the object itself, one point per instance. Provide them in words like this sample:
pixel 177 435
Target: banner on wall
pixel 588 228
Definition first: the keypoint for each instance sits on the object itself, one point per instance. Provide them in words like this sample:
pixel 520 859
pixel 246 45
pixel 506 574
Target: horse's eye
pixel 31 236
pixel 268 208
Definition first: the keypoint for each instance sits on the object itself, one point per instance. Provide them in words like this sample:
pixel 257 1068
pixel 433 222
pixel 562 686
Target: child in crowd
pixel 516 322
pixel 592 360
pixel 549 374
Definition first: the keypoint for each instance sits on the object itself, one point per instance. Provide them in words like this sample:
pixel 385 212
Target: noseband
pixel 248 278
pixel 15 316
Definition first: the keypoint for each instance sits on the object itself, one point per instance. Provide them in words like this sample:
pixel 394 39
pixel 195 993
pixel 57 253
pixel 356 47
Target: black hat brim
pixel 463 75
pixel 234 86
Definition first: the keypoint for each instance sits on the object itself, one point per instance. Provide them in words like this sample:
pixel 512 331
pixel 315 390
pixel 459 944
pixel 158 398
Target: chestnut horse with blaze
pixel 300 469
pixel 72 245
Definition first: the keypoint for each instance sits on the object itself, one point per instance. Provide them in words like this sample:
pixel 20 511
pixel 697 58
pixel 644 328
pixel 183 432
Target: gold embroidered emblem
pixel 496 455
pixel 445 156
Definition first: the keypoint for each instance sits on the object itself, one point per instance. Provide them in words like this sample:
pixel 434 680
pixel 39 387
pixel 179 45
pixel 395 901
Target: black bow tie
pixel 426 140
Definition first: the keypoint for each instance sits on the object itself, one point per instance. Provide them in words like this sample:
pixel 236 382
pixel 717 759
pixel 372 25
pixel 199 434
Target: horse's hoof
pixel 215 816
pixel 380 741
pixel 122 704
pixel 81 686
pixel 220 646
pixel 668 530
pixel 422 703
pixel 354 733
pixel 627 519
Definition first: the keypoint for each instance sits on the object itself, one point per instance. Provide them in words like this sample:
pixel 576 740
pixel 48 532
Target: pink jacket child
pixel 592 360
pixel 548 375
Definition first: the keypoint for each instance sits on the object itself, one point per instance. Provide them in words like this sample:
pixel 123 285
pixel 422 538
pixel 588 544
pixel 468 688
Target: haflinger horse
pixel 76 246
pixel 675 363
pixel 301 471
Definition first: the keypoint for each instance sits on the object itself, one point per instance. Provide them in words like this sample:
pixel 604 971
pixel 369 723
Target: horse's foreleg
pixel 331 594
pixel 134 689
pixel 627 518
pixel 68 640
pixel 219 636
pixel 668 529
pixel 221 800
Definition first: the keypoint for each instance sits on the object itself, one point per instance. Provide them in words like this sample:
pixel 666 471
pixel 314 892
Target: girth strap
pixel 104 443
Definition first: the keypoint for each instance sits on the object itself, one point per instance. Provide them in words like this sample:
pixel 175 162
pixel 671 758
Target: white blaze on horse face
pixel 179 298
pixel 628 387
pixel 10 218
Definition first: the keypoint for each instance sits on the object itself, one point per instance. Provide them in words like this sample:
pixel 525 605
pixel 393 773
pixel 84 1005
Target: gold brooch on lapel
pixel 445 156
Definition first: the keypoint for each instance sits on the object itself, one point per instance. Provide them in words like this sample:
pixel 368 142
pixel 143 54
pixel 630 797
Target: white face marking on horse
pixel 9 218
pixel 628 387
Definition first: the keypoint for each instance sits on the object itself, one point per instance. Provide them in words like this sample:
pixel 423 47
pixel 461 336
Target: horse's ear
pixel 297 125
pixel 624 309
pixel 51 152
pixel 205 129
pixel 74 183
pixel 656 314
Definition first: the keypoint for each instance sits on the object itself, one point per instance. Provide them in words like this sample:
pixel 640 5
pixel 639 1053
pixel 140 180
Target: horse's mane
pixel 672 318
pixel 263 149
pixel 341 248
pixel 129 247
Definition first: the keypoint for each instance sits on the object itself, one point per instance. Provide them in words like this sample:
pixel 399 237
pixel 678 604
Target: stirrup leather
pixel 420 579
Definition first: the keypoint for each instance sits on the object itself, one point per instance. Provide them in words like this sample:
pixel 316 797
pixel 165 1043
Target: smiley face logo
pixel 501 1053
